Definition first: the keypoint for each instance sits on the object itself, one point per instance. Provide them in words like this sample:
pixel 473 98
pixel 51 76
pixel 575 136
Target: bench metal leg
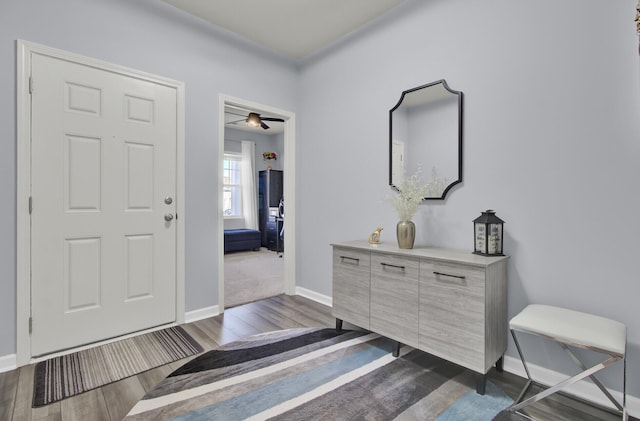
pixel 564 383
pixel 338 325
pixel 625 414
pixel 593 378
pixel 587 372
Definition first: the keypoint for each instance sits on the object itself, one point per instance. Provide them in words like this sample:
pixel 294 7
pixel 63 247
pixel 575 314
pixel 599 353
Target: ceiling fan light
pixel 253 120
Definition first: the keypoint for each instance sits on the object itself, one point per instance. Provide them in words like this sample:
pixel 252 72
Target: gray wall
pixel 264 143
pixel 551 142
pixel 152 36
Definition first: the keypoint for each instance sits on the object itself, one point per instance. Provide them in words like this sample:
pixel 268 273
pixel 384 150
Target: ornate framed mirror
pixel 425 132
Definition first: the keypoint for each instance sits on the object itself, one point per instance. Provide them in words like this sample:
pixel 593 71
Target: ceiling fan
pixel 256 120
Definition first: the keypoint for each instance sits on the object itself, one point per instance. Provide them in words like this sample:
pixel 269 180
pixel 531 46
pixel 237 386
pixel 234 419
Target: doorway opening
pixel 260 262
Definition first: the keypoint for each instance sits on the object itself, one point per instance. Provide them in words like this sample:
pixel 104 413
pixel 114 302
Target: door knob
pixel 168 217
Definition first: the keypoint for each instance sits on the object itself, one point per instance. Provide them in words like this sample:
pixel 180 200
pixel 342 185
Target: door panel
pixel 82 173
pixel 139 176
pixel 82 274
pixel 103 150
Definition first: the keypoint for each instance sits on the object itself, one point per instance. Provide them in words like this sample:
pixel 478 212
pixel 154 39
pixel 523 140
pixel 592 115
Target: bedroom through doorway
pixel 256 177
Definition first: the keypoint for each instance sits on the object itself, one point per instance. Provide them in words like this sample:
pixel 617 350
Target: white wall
pixel 154 37
pixel 551 142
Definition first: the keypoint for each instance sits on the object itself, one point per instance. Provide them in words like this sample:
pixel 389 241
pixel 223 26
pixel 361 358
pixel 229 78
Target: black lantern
pixel 488 234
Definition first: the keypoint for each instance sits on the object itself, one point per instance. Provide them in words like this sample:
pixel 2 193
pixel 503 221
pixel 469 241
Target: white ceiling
pixel 293 28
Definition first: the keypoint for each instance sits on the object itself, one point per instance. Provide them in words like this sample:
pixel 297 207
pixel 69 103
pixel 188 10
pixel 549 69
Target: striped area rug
pixel 306 374
pixel 62 377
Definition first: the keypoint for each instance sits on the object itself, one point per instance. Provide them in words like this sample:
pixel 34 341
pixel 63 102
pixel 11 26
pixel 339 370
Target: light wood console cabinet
pixel 449 303
pixel 352 270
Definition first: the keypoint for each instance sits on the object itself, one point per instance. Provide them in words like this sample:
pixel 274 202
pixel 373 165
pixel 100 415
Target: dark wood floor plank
pixel 113 401
pixel 285 315
pixel 218 333
pixel 177 364
pixel 230 321
pixel 248 314
pixel 149 379
pixel 278 318
pixel 121 396
pixel 203 338
pixel 50 417
pixel 24 394
pixel 49 412
pixel 85 406
pixel 320 314
pixel 8 388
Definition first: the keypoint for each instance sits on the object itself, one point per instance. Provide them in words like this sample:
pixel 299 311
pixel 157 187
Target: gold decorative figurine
pixel 374 238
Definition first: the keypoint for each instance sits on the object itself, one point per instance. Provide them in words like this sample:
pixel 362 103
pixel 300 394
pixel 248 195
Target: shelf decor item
pixel 406 233
pixel 487 230
pixel 267 156
pixel 374 238
pixel 410 193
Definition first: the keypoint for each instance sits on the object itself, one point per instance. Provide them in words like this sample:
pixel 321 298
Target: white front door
pixel 103 244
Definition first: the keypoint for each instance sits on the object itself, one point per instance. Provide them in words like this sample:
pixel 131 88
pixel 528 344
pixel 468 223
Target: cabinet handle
pixel 451 276
pixel 352 259
pixel 392 266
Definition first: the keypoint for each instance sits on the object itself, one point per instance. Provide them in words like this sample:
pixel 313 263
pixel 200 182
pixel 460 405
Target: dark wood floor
pixel 113 401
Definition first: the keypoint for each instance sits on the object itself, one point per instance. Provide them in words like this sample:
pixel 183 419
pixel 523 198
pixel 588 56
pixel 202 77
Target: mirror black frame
pixel 460 114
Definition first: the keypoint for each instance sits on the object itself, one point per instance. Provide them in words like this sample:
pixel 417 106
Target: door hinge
pixel 30 84
pixel 30 324
pixel 30 205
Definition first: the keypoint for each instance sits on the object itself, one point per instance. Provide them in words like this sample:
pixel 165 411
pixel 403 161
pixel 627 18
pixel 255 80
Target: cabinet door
pixel 452 313
pixel 275 187
pixel 272 234
pixel 394 297
pixel 351 285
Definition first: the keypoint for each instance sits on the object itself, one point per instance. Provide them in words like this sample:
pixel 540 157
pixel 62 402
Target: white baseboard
pixel 583 389
pixel 8 363
pixel 201 313
pixel 314 296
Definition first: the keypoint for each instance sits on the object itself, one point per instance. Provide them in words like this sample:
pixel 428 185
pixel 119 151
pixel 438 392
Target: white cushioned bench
pixel 576 329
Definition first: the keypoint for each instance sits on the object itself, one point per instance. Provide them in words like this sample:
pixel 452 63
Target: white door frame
pixel 23 188
pixel 289 189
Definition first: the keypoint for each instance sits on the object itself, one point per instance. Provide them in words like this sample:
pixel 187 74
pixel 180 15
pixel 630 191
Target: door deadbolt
pixel 168 200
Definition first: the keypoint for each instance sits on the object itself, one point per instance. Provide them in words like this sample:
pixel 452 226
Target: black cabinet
pixel 269 194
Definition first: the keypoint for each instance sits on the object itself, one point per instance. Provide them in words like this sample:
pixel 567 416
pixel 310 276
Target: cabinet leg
pixel 396 349
pixel 338 325
pixel 500 365
pixel 481 384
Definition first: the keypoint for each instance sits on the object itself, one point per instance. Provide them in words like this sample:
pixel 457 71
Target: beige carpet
pixel 251 276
